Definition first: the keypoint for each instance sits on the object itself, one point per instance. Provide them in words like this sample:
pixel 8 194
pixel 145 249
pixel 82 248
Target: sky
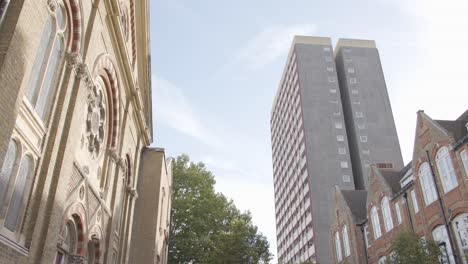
pixel 216 66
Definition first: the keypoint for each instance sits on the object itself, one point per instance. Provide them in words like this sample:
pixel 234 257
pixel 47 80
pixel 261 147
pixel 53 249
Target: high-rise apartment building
pixel 315 138
pixel 368 115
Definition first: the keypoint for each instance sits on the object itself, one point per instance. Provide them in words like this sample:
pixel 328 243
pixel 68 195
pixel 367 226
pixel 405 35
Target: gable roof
pixel 455 128
pixel 356 201
pixel 463 117
pixel 393 177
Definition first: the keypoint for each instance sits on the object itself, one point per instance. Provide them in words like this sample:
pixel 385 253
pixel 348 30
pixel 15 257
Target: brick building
pixel 428 197
pixel 348 221
pixel 75 115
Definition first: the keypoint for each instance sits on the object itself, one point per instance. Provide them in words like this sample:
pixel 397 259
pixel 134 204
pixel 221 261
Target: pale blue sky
pixel 216 67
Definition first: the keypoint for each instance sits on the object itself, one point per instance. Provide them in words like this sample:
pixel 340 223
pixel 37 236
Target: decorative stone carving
pixel 133 193
pixel 124 20
pixel 95 121
pixel 86 170
pixel 52 5
pixel 76 259
pixel 82 193
pixel 114 156
pixel 73 60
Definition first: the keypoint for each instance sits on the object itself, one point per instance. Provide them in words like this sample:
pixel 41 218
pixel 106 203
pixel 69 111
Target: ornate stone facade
pixel 74 99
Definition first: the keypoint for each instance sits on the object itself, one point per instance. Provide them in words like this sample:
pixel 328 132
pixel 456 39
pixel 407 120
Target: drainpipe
pixel 405 195
pixel 442 209
pixel 361 226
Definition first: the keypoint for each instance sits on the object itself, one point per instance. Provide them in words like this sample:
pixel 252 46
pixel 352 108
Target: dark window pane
pixel 39 61
pixel 16 202
pixel 45 97
pixel 7 169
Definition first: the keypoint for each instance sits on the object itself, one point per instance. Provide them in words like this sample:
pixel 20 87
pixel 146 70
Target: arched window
pixel 460 225
pixel 93 250
pixel 427 183
pixel 387 214
pixel 375 223
pixel 17 203
pixel 440 236
pixel 15 179
pixel 339 257
pixel 446 170
pixel 347 250
pixel 3 9
pixel 47 64
pixel 464 157
pixel 69 245
pixel 7 170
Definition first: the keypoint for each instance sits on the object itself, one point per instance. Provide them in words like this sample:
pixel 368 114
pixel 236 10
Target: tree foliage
pixel 408 248
pixel 206 226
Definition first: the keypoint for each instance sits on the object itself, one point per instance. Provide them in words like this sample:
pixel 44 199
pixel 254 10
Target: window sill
pixel 14 245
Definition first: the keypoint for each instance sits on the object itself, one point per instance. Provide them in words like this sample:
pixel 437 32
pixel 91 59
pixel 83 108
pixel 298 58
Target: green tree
pixel 408 248
pixel 206 226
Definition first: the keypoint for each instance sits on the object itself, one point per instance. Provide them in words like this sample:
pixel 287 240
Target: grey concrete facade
pixel 325 161
pixel 331 114
pixel 368 114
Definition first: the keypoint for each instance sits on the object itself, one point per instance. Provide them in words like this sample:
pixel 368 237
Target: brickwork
pixel 78 180
pixel 440 217
pixel 343 216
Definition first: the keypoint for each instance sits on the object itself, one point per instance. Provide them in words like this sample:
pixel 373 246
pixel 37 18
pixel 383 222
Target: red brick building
pixel 429 197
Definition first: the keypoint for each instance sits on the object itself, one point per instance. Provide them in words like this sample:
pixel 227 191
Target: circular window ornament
pixel 96 120
pixel 124 20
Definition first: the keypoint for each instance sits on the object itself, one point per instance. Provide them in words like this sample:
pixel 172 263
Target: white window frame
pixel 346 178
pixel 376 223
pixel 338 252
pixel 415 201
pixel 350 70
pixel 387 214
pixel 439 234
pixel 427 183
pixel 464 158
pixel 446 169
pixel 460 226
pixel 342 151
pixel 398 213
pixel 366 236
pixel 359 114
pixel 340 138
pixel 344 164
pixel 363 138
pixel 352 80
pixel 347 250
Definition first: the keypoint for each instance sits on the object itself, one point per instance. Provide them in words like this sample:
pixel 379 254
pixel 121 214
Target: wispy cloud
pixel 270 44
pixel 436 72
pixel 173 109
